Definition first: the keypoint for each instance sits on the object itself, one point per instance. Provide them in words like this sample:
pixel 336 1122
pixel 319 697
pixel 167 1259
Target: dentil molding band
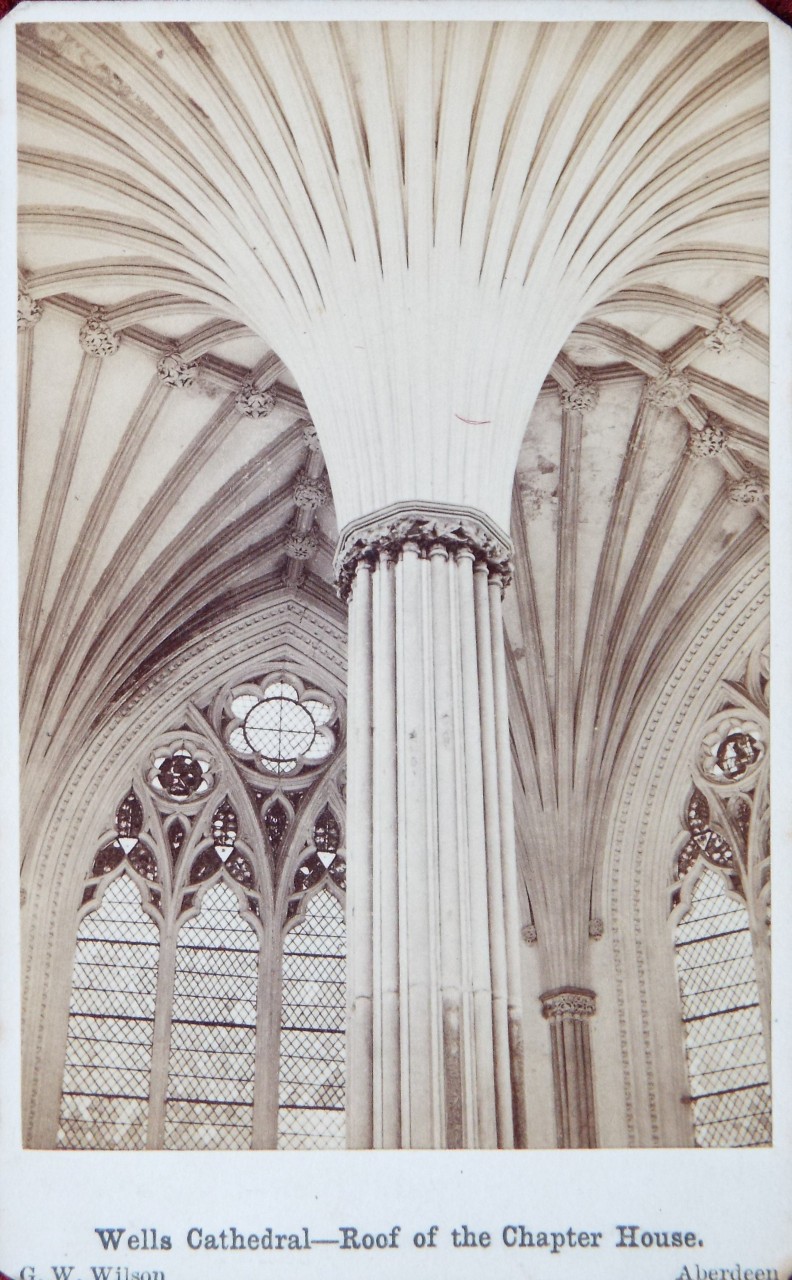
pixel 429 525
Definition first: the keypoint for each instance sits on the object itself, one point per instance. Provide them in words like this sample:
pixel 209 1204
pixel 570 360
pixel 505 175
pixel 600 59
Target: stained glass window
pixel 312 1058
pixel 727 1066
pixel 209 1102
pixel 111 1024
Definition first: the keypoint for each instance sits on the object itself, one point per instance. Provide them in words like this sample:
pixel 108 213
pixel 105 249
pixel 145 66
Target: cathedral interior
pixel 393 472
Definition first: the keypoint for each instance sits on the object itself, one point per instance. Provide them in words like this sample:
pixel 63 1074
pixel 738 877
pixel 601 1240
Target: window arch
pixel 202 855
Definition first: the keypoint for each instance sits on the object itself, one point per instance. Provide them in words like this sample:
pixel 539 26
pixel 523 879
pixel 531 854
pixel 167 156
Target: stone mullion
pixel 163 1015
pixel 269 999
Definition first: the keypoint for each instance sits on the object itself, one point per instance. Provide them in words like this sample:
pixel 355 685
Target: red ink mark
pixel 474 422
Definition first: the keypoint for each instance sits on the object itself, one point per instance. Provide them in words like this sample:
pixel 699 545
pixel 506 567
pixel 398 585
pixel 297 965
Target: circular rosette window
pixel 180 771
pixel 732 750
pixel 280 728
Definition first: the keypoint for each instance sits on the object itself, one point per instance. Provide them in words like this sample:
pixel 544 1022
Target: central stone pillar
pixel 434 1037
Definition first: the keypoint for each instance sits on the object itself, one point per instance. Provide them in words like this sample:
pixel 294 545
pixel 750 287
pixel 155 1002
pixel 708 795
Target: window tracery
pixel 280 728
pixel 721 935
pixel 188 874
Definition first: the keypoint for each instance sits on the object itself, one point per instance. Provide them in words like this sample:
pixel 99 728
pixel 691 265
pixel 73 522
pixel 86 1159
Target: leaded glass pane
pixel 111 1022
pixel 312 1051
pixel 726 1058
pixel 209 1103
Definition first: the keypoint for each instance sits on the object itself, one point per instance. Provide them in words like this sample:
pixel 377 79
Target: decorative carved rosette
pixel 254 402
pixel 181 772
pixel 310 494
pixel 583 396
pixel 301 544
pixel 708 441
pixel 728 335
pixel 96 336
pixel 569 1003
pixel 426 525
pixel 29 311
pixel 311 436
pixel 175 371
pixel 732 750
pixel 747 490
pixel 529 934
pixel 669 389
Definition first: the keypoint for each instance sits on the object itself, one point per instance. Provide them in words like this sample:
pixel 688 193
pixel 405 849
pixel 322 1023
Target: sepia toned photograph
pixel 393 405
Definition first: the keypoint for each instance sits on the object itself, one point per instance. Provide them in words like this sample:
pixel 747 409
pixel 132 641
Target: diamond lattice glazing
pixel 209 1104
pixel 111 1022
pixel 726 1058
pixel 312 1054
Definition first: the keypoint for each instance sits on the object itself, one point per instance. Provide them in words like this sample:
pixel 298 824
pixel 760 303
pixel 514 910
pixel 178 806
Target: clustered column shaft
pixel 434 1038
pixel 568 1011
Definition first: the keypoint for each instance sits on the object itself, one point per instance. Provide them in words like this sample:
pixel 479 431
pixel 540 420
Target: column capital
pixel 582 396
pixel 426 525
pixel 568 1002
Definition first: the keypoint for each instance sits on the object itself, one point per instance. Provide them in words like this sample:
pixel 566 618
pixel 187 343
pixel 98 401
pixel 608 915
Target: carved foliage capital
pixel 254 402
pixel 175 371
pixel 310 436
pixel 29 311
pixel 309 493
pixel 568 1003
pixel 669 389
pixel 583 396
pixel 425 525
pixel 96 336
pixel 708 441
pixel 301 545
pixel 747 490
pixel 727 335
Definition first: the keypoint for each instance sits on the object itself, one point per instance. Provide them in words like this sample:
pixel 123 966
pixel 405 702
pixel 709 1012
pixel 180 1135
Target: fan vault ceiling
pixel 235 196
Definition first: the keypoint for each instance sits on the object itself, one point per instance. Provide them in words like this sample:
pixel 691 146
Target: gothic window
pixel 171 1036
pixel 111 1024
pixel 727 1066
pixel 213 1028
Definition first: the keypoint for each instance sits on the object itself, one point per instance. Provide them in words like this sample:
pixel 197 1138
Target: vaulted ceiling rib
pixel 307 191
